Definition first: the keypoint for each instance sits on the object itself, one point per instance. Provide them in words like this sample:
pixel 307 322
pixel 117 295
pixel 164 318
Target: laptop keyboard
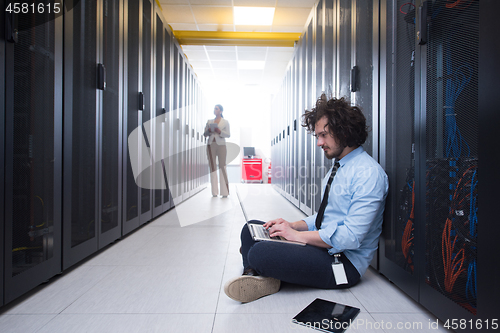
pixel 263 232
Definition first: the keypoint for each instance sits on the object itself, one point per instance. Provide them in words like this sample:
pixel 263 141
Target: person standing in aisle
pixel 217 131
pixel 342 238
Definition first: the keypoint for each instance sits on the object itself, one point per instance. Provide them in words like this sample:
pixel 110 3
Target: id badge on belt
pixel 338 270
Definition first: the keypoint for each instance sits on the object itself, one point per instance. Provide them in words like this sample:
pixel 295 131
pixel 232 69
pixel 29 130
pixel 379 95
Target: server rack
pixel 434 244
pixel 111 120
pixel 31 196
pixel 92 172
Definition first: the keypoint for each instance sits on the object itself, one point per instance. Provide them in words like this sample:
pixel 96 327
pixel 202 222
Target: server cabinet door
pixel 397 246
pixel 174 181
pixel 132 106
pixel 450 74
pixel 159 117
pixel 147 56
pixel 167 142
pixel 110 122
pixel 33 151
pixel 137 208
pixel 344 49
pixel 81 121
pixel 184 127
pixel 296 130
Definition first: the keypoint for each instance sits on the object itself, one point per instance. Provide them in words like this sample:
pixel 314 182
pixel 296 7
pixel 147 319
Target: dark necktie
pixel 324 202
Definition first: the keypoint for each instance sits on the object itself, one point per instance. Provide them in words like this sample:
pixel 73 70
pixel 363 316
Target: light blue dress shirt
pixel 353 216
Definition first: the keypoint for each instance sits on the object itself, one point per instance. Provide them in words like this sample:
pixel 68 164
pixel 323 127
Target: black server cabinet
pixel 110 117
pixel 450 106
pixel 32 118
pixel 92 114
pixel 438 60
pixel 137 193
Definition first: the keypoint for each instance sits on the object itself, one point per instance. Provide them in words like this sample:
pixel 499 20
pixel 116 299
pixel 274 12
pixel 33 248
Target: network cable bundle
pixel 451 231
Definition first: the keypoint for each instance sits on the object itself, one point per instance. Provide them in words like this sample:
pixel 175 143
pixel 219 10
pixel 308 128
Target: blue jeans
pixel 304 265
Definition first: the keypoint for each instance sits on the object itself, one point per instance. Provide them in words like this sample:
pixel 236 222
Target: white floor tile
pixel 54 297
pixel 23 323
pixel 129 323
pixel 377 294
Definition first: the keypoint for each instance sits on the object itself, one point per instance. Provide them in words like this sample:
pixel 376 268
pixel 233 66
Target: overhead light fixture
pixel 251 64
pixel 253 15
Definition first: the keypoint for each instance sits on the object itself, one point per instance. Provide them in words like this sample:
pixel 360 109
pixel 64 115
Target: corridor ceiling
pixel 226 63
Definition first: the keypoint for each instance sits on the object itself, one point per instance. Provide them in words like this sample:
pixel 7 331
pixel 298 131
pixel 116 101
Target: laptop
pixel 259 233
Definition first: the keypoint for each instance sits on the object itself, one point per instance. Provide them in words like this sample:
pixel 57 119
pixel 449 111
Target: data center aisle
pixel 169 275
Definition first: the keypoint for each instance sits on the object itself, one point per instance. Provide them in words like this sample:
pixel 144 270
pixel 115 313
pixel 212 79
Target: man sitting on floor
pixel 346 229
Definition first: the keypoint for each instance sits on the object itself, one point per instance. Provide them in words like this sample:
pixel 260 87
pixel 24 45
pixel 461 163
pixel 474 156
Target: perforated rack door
pixel 452 130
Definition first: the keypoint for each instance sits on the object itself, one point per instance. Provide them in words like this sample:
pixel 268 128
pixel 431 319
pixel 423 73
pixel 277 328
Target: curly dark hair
pixel 346 123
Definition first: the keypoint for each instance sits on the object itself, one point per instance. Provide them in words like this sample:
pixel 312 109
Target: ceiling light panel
pixel 253 28
pixel 216 65
pixel 251 64
pixel 253 15
pixel 251 55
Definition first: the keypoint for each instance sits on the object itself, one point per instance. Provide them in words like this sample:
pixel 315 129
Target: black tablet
pixel 326 316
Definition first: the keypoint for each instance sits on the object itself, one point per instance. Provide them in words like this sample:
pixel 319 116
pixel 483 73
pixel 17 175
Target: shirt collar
pixel 350 156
